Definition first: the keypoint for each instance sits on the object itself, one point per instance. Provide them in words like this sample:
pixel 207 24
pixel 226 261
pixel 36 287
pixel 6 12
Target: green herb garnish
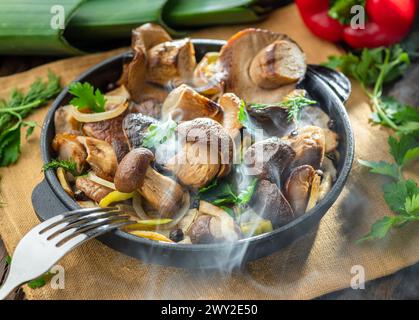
pixel 401 196
pixel 294 105
pixel 16 109
pixel 86 97
pixel 341 9
pixel 68 165
pixel 159 133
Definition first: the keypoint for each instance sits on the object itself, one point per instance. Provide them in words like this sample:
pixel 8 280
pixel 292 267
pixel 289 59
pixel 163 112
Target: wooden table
pixel 401 285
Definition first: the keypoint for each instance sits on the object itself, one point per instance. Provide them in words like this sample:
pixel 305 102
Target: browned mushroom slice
pixel 280 63
pixel 314 192
pixel 64 122
pixel 206 151
pixel 231 107
pixel 111 132
pixel 92 189
pixel 135 126
pixel 69 148
pixel 269 203
pixel 184 103
pixel 297 187
pixel 309 146
pixel 213 225
pixel 161 193
pixel 134 73
pixel 245 61
pixel 267 159
pixel 171 62
pixel 148 35
pixel 206 77
pixel 100 156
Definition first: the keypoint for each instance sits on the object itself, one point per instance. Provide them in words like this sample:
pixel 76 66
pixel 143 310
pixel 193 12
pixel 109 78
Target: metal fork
pixel 51 240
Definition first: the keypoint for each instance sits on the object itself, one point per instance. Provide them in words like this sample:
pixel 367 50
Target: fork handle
pixel 8 286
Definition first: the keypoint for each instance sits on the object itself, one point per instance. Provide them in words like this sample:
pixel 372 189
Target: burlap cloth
pixel 319 263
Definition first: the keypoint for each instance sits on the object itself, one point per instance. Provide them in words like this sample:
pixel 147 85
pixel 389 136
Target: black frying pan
pixel 330 88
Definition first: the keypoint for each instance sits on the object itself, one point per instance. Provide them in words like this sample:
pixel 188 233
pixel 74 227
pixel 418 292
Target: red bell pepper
pixel 388 21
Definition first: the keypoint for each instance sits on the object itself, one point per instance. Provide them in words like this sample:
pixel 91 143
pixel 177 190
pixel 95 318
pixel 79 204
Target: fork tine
pixel 83 237
pixel 72 214
pixel 77 221
pixel 60 239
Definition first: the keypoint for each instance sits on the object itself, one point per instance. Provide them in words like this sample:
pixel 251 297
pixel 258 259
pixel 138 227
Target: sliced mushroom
pixel 69 148
pixel 230 104
pixel 206 75
pixel 254 60
pixel 92 189
pixel 134 73
pixel 280 63
pixel 309 146
pixel 111 132
pixel 213 225
pixel 171 62
pixel 314 192
pixel 206 152
pixel 64 122
pixel 184 103
pixel 100 156
pixel 267 159
pixel 297 187
pixel 135 126
pixel 269 203
pixel 161 193
pixel 329 176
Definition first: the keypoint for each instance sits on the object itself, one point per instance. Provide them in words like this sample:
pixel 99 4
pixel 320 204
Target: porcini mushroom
pixel 297 187
pixel 267 159
pixel 261 66
pixel 69 148
pixel 100 156
pixel 161 193
pixel 206 75
pixel 309 146
pixel 230 104
pixel 184 103
pixel 92 189
pixel 135 126
pixel 206 152
pixel 269 203
pixel 64 122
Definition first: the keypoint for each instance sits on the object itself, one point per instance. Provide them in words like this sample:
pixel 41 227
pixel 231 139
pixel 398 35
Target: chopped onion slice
pixel 91 176
pixel 100 116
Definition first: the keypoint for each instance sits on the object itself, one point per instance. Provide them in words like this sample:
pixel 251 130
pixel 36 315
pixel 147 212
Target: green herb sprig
pixel 159 133
pixel 86 97
pixel 68 165
pixel 16 109
pixel 401 195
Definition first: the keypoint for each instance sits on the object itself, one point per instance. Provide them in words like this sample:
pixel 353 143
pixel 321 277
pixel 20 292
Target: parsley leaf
pixel 243 116
pixel 41 281
pixel 18 107
pixel 405 149
pixel 86 97
pixel 159 133
pixel 246 195
pixel 382 167
pixel 68 165
pixel 396 194
pixel 412 205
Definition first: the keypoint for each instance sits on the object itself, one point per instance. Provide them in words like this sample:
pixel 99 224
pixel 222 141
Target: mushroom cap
pixel 184 103
pixel 100 156
pixel 131 170
pixel 209 132
pixel 171 62
pixel 267 159
pixel 269 202
pixel 309 146
pixel 135 126
pixel 236 58
pixel 297 187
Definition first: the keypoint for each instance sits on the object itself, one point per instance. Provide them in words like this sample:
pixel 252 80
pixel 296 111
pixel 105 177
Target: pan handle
pixel 45 203
pixel 336 80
